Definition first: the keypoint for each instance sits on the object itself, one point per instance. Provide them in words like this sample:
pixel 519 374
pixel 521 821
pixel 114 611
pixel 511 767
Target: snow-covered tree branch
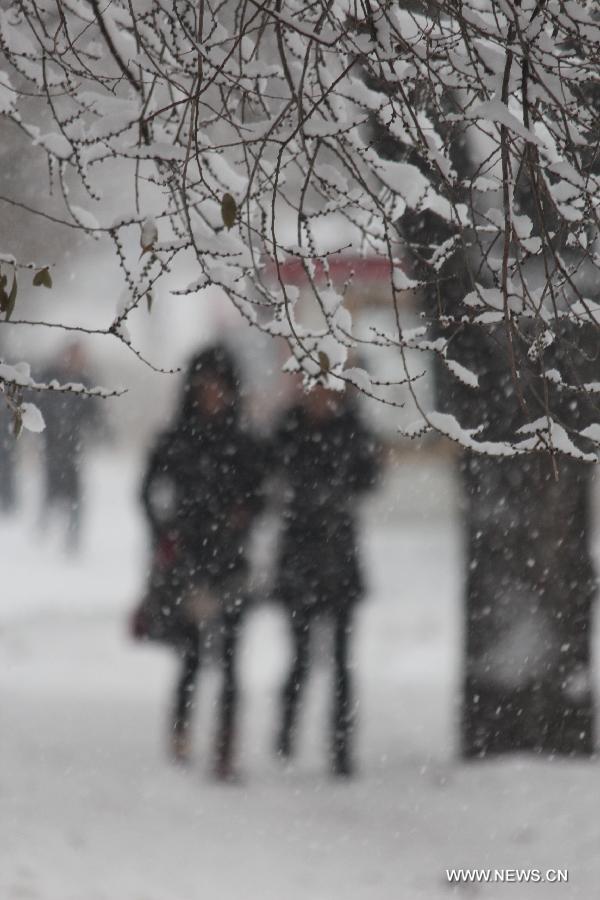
pixel 455 141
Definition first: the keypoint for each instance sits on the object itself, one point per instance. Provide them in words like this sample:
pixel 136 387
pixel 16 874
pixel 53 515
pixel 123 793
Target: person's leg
pixel 226 732
pixel 184 695
pixel 342 719
pixel 73 538
pixel 72 501
pixel 49 500
pixel 292 689
pixel 7 473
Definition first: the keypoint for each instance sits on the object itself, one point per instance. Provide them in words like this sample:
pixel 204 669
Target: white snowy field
pixel 90 809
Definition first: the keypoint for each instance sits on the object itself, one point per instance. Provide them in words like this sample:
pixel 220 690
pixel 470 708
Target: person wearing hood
pixel 201 492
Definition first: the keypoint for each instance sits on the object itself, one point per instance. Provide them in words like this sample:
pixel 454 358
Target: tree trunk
pixel 528 602
pixel 529 578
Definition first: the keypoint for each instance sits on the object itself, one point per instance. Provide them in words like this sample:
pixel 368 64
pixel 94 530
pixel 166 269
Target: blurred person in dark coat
pixel 8 460
pixel 327 460
pixel 71 420
pixel 9 451
pixel 201 492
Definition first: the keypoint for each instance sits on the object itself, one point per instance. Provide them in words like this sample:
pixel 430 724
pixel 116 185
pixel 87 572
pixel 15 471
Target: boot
pixel 224 768
pixel 283 745
pixel 342 765
pixel 181 747
pixel 341 761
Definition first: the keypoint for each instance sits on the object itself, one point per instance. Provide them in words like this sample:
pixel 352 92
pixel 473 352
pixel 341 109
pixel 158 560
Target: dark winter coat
pixel 70 420
pixel 325 466
pixel 202 486
pixel 212 476
pixel 201 491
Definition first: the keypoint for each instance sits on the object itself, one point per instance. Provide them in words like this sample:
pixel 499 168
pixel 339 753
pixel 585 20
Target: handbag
pixel 175 600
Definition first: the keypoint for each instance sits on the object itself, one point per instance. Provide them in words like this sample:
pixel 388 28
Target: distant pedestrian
pixel 327 461
pixel 8 461
pixel 201 492
pixel 71 420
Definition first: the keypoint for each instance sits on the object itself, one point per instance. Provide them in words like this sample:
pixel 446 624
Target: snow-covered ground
pixel 91 810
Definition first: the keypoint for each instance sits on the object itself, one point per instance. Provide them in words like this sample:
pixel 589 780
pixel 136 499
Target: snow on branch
pixel 457 141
